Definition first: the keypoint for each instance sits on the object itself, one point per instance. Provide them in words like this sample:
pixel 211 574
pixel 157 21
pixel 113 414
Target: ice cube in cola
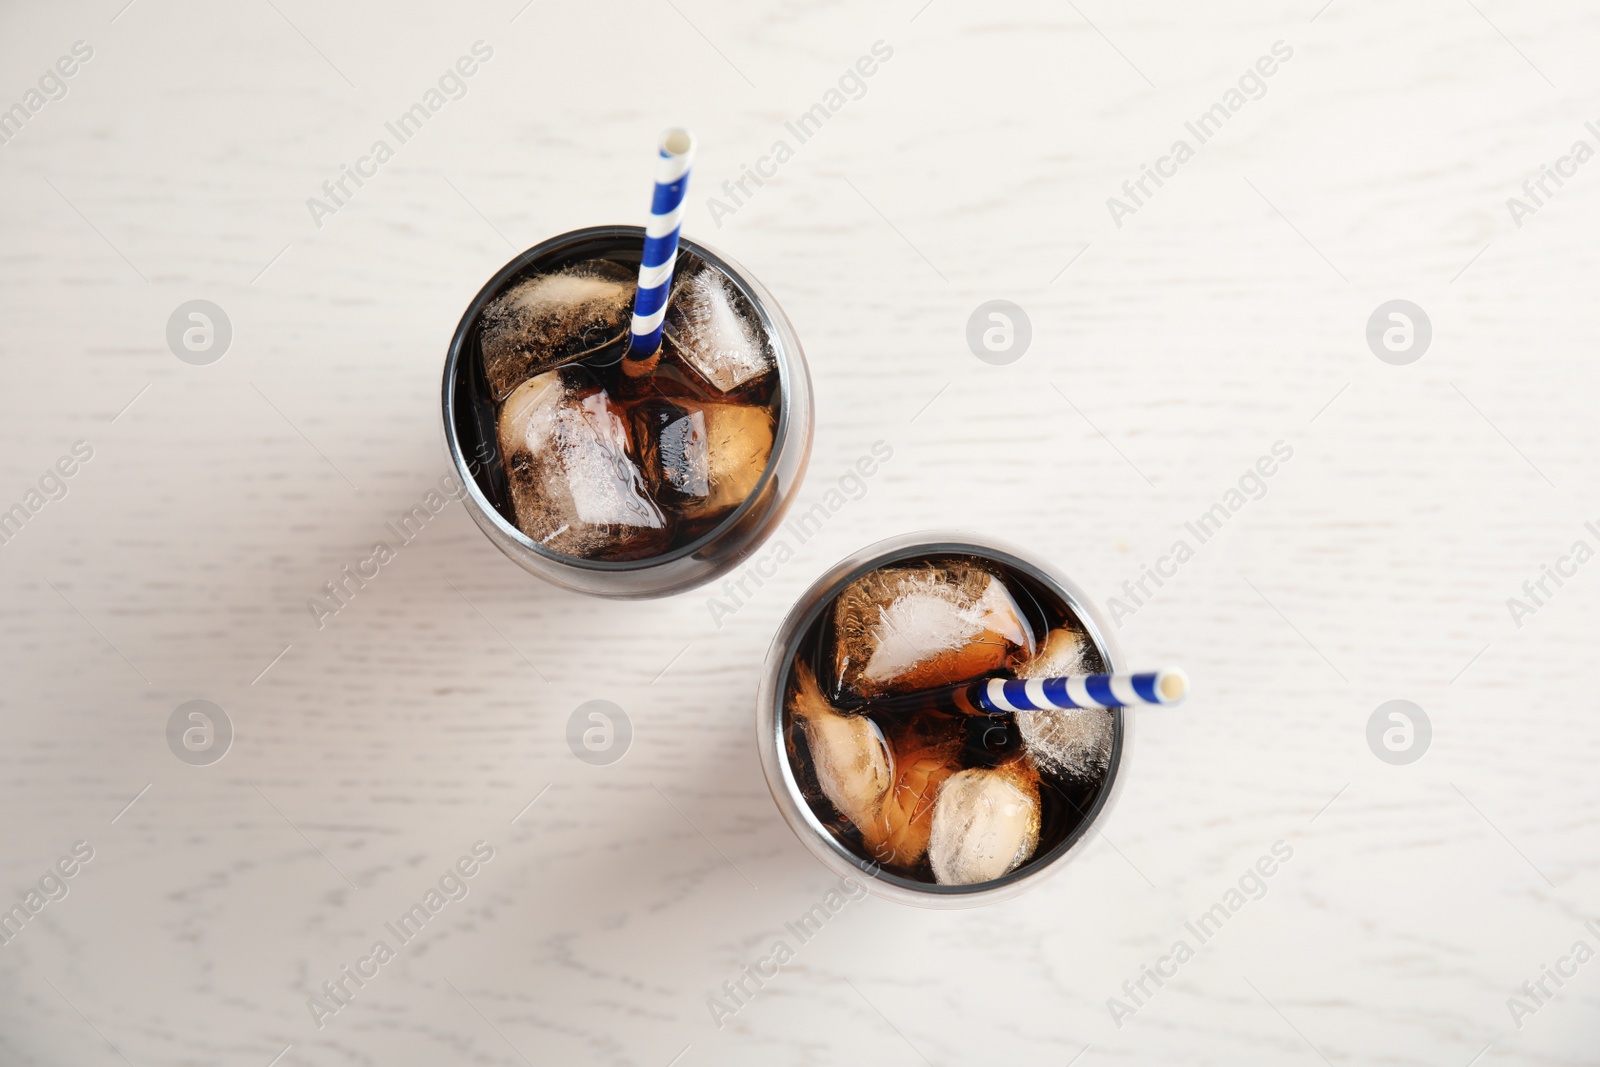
pixel 709 327
pixel 1072 742
pixel 574 485
pixel 701 459
pixel 985 823
pixel 910 782
pixel 901 629
pixel 550 319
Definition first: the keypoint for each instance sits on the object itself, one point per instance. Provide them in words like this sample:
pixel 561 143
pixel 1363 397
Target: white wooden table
pixel 1226 313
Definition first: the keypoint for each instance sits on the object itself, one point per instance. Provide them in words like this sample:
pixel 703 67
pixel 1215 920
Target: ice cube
pixel 985 824
pixel 713 329
pixel 552 319
pixel 702 459
pixel 1072 742
pixel 927 750
pixel 898 630
pixel 574 486
pixel 852 762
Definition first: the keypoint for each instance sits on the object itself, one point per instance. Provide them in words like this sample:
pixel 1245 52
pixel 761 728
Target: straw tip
pixel 638 368
pixel 677 142
pixel 1172 685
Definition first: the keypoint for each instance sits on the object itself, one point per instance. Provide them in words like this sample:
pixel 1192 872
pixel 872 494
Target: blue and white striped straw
pixel 997 696
pixel 660 244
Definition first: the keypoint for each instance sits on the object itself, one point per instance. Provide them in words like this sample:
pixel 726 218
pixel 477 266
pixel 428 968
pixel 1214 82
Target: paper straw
pixel 676 153
pixel 997 696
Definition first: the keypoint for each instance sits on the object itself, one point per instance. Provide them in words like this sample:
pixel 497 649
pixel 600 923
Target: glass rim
pixel 779 331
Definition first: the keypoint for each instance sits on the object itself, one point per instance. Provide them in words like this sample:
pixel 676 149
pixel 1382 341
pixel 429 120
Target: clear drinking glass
pixel 470 434
pixel 1043 583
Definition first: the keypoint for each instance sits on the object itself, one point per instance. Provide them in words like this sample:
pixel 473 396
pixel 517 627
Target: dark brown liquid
pixel 1067 802
pixel 673 390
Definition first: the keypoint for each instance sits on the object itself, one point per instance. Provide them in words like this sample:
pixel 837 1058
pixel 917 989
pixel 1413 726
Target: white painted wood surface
pixel 1226 314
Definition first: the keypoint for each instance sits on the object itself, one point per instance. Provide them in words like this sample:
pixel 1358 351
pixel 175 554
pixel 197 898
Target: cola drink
pixel 610 483
pixel 876 767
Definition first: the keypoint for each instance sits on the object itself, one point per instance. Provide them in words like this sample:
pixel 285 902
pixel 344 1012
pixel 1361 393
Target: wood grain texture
pixel 1226 314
